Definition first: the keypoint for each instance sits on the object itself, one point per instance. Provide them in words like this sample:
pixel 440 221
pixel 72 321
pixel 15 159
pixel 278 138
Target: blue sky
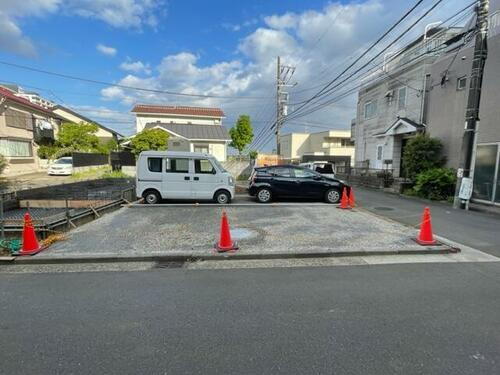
pixel 216 47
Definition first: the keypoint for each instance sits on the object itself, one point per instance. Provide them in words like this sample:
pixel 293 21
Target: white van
pixel 182 175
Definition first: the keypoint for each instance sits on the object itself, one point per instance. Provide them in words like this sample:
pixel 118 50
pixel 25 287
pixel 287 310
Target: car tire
pixel 151 197
pixel 264 195
pixel 332 196
pixel 222 197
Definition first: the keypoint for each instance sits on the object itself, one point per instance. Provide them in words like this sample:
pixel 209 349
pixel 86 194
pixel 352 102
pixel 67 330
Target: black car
pixel 289 181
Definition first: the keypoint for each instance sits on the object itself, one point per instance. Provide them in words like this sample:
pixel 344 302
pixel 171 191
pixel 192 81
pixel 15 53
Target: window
pixel 346 142
pixel 461 83
pixel 402 98
pixel 154 164
pixel 485 172
pixel 281 172
pixel 202 149
pixel 15 148
pixel 301 173
pixel 203 166
pixel 380 152
pixel 370 109
pixel 177 165
pixel 18 119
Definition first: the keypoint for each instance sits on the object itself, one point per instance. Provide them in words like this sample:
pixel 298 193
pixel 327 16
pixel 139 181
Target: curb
pixel 226 256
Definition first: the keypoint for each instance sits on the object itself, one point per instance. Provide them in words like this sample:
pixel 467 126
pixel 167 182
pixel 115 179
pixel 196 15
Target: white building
pixel 32 96
pixel 392 104
pixel 331 145
pixel 195 129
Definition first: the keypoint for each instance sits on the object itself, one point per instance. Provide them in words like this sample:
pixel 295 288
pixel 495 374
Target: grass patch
pixel 92 173
pixel 115 174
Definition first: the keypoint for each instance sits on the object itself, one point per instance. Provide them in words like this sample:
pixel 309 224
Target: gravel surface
pixel 258 229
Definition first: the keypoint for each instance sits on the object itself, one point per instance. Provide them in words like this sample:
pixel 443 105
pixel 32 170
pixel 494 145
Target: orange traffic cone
pixel 344 202
pixel 30 242
pixel 225 243
pixel 352 199
pixel 425 236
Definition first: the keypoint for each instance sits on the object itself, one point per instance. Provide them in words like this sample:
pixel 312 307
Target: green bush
pixel 435 183
pixel 422 153
pixel 47 151
pixel 3 163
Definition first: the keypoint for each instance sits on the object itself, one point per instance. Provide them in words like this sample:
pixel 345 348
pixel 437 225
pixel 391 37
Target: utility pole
pixel 278 105
pixel 464 176
pixel 284 74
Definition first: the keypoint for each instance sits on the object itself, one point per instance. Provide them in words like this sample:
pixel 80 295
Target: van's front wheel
pixel 151 197
pixel 222 197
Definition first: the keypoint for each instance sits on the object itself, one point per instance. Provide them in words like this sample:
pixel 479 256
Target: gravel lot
pixel 194 229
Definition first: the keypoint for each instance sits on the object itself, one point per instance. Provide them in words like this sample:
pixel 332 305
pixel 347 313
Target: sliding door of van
pixel 205 179
pixel 177 179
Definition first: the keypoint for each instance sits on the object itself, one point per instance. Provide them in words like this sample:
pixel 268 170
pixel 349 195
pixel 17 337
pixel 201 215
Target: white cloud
pixel 106 50
pixel 117 13
pixel 13 40
pixel 317 42
pixel 135 67
pixel 122 122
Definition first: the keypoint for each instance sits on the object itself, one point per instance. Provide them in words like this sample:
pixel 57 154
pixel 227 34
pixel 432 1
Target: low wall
pixel 106 188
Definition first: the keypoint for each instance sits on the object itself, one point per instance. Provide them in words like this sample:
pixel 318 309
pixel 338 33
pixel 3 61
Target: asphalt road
pixel 399 319
pixel 475 229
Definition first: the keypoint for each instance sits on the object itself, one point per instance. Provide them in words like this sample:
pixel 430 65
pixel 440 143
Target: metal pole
pixel 473 101
pixel 278 105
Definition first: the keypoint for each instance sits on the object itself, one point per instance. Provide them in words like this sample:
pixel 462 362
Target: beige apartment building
pixel 332 145
pixel 23 126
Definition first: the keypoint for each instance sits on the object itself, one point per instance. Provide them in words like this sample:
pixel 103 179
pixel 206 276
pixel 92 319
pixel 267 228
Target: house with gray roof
pixel 193 129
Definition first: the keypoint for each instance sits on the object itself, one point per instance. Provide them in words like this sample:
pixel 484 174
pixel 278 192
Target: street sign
pixel 465 189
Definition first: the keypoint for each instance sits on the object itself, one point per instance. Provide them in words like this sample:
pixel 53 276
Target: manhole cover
pixel 384 208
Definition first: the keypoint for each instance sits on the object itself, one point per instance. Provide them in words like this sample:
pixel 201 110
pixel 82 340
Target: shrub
pixel 3 163
pixel 422 153
pixel 47 151
pixel 435 183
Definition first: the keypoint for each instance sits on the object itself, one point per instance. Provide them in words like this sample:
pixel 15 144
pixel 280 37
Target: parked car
pixel 61 167
pixel 322 167
pixel 182 175
pixel 280 181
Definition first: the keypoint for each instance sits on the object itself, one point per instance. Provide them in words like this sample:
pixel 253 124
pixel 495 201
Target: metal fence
pixel 87 159
pixel 367 176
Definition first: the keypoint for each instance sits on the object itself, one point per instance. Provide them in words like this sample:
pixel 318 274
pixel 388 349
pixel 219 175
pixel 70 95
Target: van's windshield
pixel 219 166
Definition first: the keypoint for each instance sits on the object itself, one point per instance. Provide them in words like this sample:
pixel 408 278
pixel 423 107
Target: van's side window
pixel 203 166
pixel 177 165
pixel 154 164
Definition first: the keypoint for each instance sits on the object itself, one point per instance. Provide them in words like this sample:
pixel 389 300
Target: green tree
pixel 253 154
pixel 421 154
pixel 149 139
pixel 108 146
pixel 79 137
pixel 241 134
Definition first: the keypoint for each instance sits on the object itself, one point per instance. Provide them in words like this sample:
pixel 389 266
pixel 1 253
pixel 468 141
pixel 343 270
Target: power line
pixel 98 82
pixel 355 88
pixel 327 89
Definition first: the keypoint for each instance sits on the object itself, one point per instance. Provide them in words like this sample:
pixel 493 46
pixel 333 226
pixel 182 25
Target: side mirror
pixel 317 178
